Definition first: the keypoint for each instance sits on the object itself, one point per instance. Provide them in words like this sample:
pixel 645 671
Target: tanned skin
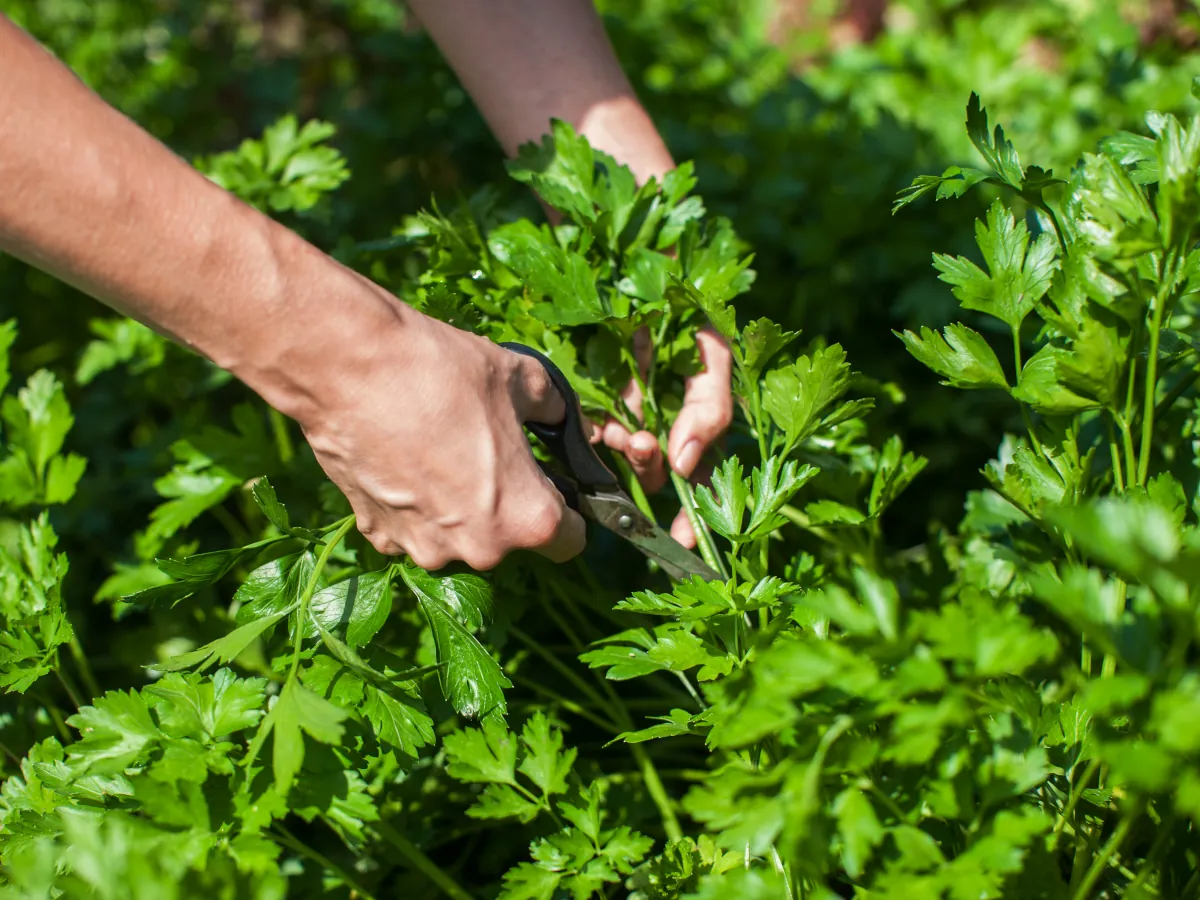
pixel 418 423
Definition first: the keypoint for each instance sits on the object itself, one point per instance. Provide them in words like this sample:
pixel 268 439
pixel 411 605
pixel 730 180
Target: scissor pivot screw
pixel 625 523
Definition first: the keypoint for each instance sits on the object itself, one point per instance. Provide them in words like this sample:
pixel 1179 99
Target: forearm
pixel 527 61
pixel 93 199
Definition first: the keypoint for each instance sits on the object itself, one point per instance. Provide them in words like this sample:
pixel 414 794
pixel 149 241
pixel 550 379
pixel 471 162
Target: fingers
pixel 681 530
pixel 535 397
pixel 541 521
pixel 707 404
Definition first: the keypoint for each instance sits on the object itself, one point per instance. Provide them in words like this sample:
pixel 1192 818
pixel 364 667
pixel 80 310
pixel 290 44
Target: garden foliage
pixel 259 704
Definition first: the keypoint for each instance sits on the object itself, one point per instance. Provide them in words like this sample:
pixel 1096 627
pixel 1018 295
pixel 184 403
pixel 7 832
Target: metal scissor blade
pixel 620 515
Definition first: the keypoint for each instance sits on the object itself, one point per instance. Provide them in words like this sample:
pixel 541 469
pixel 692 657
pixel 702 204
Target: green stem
pixel 1165 830
pixel 421 862
pixel 84 667
pixel 620 715
pixel 285 837
pixel 65 680
pixel 237 533
pixel 1114 451
pixel 1058 229
pixel 1151 386
pixel 658 793
pixel 1100 863
pixel 782 869
pixel 569 705
pixel 1077 790
pixel 636 493
pixel 704 539
pixel 1176 392
pixel 311 588
pixel 562 668
pixel 283 439
pixel 1110 662
pixel 59 723
pixel 1130 454
pixel 1025 417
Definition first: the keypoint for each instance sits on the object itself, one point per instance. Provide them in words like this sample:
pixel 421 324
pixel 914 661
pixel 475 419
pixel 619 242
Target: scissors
pixel 590 488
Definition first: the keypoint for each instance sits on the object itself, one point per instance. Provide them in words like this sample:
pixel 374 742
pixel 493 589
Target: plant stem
pixel 309 589
pixel 636 493
pixel 65 680
pixel 1110 662
pixel 560 666
pixel 569 705
pixel 283 440
pixel 704 538
pixel 421 862
pixel 1101 862
pixel 1114 451
pixel 285 837
pixel 1151 386
pixel 1130 455
pixel 1152 858
pixel 1176 392
pixel 658 793
pixel 1077 790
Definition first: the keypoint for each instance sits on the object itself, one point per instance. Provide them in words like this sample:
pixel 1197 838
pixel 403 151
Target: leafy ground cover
pixel 891 693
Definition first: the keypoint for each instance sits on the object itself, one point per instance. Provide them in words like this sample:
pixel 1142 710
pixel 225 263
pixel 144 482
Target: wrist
pixel 622 128
pixel 316 334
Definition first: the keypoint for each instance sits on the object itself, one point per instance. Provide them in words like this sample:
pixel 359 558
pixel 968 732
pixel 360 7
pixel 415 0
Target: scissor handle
pixel 568 441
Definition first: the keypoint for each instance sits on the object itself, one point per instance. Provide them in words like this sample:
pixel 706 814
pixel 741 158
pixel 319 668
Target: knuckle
pixel 428 558
pixel 384 544
pixel 541 524
pixel 483 559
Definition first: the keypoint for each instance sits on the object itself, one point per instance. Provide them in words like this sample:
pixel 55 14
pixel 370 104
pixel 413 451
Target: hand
pixel 706 413
pixel 425 439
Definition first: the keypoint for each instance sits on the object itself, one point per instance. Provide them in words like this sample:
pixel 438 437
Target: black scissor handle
pixel 568 440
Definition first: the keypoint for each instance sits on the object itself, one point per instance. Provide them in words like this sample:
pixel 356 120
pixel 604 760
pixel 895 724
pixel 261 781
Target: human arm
pixel 418 423
pixel 525 62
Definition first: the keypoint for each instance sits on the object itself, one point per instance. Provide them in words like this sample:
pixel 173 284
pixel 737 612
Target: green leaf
pixel 454 604
pixel 798 395
pixel 224 649
pixel 274 586
pixel 562 170
pixel 207 708
pixel 559 279
pixel 996 150
pixel 679 722
pixel 692 599
pixel 403 724
pixel 1019 273
pixel 774 485
pixel 894 473
pixel 483 755
pixel 759 342
pixel 298 712
pixel 830 512
pixel 529 882
pixel 114 732
pixel 858 828
pixel 624 655
pixel 546 764
pixel 359 604
pixel 724 505
pixel 276 512
pixel 499 801
pixel 962 357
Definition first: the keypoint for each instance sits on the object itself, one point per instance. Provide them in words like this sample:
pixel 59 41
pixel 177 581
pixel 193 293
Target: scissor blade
pixel 620 515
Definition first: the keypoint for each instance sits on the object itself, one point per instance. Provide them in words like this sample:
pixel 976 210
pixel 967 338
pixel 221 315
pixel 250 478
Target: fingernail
pixel 686 461
pixel 641 448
